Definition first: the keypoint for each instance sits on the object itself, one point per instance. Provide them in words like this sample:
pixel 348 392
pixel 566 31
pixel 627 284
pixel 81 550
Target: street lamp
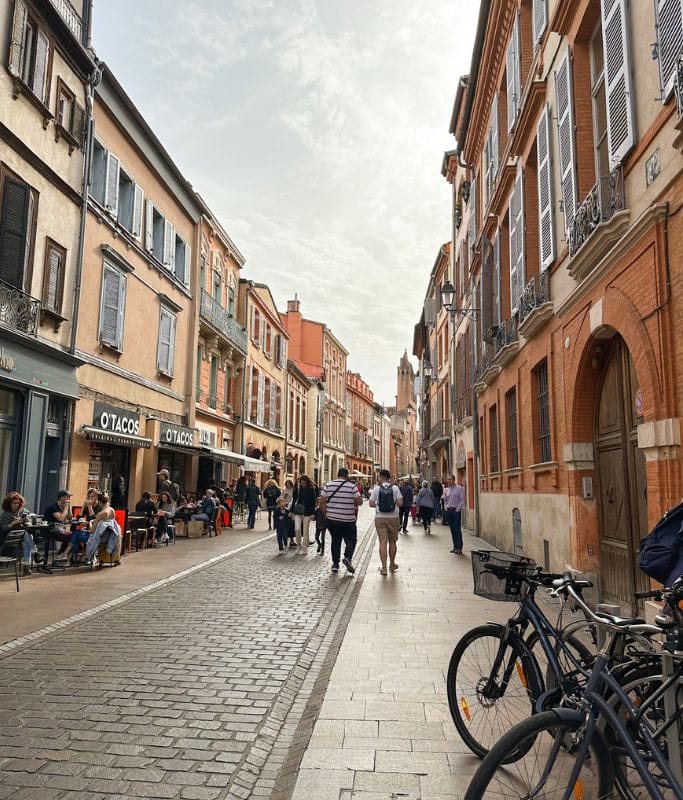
pixel 447 300
pixel 427 369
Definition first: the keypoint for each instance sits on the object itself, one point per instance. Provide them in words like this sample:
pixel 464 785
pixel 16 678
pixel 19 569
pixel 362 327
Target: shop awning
pixel 255 464
pixel 229 456
pixel 108 437
pixel 176 448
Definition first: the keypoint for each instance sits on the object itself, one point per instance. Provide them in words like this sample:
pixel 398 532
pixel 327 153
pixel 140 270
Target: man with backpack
pixel 167 485
pixel 386 498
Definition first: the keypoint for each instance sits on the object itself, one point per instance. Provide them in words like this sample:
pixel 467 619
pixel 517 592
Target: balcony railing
pixel 601 204
pixel 440 432
pixel 72 18
pixel 678 87
pixel 535 294
pixel 505 334
pixel 485 361
pixel 214 313
pixel 19 310
pixel 463 406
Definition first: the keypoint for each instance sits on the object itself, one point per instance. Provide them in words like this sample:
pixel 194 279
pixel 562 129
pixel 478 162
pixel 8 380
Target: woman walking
pixel 271 493
pixel 303 508
pixel 426 503
pixel 287 493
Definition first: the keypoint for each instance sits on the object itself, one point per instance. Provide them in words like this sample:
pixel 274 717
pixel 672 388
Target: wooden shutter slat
pixel 618 91
pixel 113 307
pixel 545 202
pixel 14 232
pixel 40 66
pixel 149 226
pixel 497 301
pixel 539 19
pixel 17 39
pixel 566 137
pixel 138 206
pixel 54 269
pixel 111 197
pixel 669 41
pixel 188 265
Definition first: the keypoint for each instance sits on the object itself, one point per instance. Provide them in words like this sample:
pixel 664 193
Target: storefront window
pixel 10 404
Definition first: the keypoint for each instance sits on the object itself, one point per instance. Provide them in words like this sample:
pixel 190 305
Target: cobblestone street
pixel 193 690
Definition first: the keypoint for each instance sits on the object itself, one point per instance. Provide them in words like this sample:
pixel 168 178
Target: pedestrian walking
pixel 453 503
pixel 287 492
pixel 339 502
pixel 253 498
pixel 437 491
pixel 271 493
pixel 320 529
pixel 407 506
pixel 303 508
pixel 426 503
pixel 386 499
pixel 281 521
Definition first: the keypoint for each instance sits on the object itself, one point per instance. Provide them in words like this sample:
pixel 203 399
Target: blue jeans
pixel 251 519
pixel 454 520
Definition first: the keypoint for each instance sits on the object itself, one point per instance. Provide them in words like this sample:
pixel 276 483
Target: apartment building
pixel 262 426
pixel 299 431
pixel 360 427
pixel 319 354
pixel 570 130
pixel 44 91
pixel 135 334
pixel 221 355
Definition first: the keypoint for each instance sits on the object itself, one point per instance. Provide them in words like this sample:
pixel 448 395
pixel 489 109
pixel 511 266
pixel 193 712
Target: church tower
pixel 405 384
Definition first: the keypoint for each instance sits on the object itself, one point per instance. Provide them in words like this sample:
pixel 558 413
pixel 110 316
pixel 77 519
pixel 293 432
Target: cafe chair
pixel 11 551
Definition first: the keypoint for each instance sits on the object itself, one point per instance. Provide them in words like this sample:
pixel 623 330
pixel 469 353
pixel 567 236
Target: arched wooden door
pixel 620 476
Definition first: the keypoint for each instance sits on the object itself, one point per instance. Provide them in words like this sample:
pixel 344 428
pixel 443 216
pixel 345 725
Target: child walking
pixel 281 521
pixel 320 526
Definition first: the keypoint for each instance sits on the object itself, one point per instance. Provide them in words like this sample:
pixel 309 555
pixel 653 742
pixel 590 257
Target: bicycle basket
pixel 505 584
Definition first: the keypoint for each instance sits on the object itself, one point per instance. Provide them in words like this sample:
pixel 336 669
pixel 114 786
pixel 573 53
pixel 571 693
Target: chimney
pixel 293 305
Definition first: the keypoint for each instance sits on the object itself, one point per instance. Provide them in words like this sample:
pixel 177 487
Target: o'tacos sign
pixel 116 420
pixel 175 435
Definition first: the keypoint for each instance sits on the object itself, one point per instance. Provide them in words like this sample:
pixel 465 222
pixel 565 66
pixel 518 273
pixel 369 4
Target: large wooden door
pixel 620 477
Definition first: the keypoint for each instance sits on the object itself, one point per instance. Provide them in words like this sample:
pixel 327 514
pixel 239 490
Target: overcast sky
pixel 315 130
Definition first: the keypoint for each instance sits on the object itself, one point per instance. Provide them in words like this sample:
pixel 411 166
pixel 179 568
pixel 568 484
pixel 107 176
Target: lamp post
pixel 448 299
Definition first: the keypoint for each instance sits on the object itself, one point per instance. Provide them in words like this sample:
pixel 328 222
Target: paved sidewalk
pixel 384 730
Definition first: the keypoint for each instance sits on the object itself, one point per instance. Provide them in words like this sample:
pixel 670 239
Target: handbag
pixel 298 508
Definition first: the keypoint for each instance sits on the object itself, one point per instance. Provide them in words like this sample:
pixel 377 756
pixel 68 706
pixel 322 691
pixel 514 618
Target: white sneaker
pixel 164 538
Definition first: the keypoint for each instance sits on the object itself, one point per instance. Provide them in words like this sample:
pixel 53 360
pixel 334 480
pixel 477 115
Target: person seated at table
pixel 90 506
pixel 105 530
pixel 206 511
pixel 184 509
pixel 146 506
pixel 166 509
pixel 16 515
pixel 58 515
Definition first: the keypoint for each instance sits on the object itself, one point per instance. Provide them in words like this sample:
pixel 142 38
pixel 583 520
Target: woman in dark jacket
pixel 270 495
pixel 303 508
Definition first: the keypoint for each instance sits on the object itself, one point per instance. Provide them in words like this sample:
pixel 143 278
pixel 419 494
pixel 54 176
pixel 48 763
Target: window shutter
pixel 261 395
pixel 54 269
pixel 17 39
pixel 111 197
pixel 497 299
pixel 138 205
pixel 513 74
pixel 188 264
pixel 545 202
pixel 619 95
pixel 169 244
pixel 486 174
pixel 251 322
pixel 430 311
pixel 14 232
pixel 284 351
pixel 494 152
pixel 669 41
pixel 40 67
pixel 149 226
pixel 539 19
pixel 486 288
pixel 516 244
pixel 113 307
pixel 273 405
pixel 166 352
pixel 78 124
pixel 473 213
pixel 250 407
pixel 567 147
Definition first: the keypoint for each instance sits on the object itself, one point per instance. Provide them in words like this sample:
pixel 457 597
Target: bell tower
pixel 405 384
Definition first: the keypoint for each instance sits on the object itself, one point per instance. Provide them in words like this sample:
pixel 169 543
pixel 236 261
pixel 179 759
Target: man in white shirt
pixel 339 501
pixel 386 498
pixel 453 503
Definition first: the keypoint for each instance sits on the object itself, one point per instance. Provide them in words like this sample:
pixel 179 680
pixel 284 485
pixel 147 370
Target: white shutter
pixel 17 39
pixel 497 300
pixel 54 267
pixel 516 244
pixel 188 264
pixel 40 67
pixel 169 245
pixel 149 226
pixel 566 135
pixel 138 205
pixel 111 184
pixel 545 193
pixel 112 307
pixel 273 403
pixel 618 89
pixel 250 405
pixel 494 150
pixel 486 174
pixel 261 395
pixel 539 12
pixel 513 71
pixel 262 332
pixel 669 41
pixel 473 212
pixel 284 351
pixel 166 350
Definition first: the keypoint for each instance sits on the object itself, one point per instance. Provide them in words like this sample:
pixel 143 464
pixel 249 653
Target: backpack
pixel 660 549
pixel 174 491
pixel 385 499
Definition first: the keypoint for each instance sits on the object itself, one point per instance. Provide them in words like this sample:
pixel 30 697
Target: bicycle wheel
pixel 491 686
pixel 572 676
pixel 551 744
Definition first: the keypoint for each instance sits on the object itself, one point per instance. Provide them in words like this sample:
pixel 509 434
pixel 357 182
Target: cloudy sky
pixel 315 130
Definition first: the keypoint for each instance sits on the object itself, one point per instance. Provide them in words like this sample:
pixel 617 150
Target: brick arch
pixel 619 314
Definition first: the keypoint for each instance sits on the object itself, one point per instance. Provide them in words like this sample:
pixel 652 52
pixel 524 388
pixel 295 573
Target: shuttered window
pixel 543 411
pixel 545 194
pixel 111 196
pixel 168 259
pixel 516 243
pixel 29 52
pixel 539 19
pixel 260 410
pixel 618 88
pixel 16 229
pixel 486 290
pixel 511 412
pixel 496 283
pixel 472 207
pixel 112 306
pixel 513 72
pixel 669 41
pixel 166 348
pixel 53 276
pixel 566 136
pixel 138 206
pixel 494 462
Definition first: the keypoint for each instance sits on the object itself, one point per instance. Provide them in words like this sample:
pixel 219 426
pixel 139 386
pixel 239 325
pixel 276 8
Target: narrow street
pixel 258 675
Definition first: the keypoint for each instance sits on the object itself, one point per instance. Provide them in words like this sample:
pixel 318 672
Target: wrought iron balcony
pixel 602 202
pixel 505 334
pixel 213 312
pixel 535 294
pixel 19 310
pixel 678 87
pixel 463 407
pixel 441 432
pixel 72 18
